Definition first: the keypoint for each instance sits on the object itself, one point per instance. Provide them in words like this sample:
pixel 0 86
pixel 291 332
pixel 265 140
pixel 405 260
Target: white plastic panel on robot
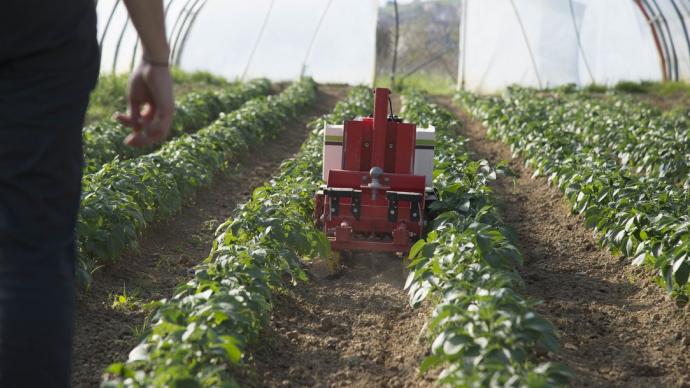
pixel 424 154
pixel 423 157
pixel 333 41
pixel 332 149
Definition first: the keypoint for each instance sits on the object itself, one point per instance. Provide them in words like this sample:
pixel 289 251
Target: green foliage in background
pixel 109 96
pixel 427 49
pixel 103 140
pixel 198 77
pixel 438 84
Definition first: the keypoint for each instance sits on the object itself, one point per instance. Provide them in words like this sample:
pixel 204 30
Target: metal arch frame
pixel 579 42
pixel 686 7
pixel 119 42
pixel 107 26
pixel 683 25
pixel 184 11
pixel 174 41
pixel 463 43
pixel 258 39
pixel 395 44
pixel 186 34
pixel 661 47
pixel 182 36
pixel 313 38
pixel 529 46
pixel 136 45
pixel 674 55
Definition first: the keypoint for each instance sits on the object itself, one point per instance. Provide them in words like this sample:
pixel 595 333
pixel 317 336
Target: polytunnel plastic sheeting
pixel 545 43
pixel 618 43
pixel 520 42
pixel 330 40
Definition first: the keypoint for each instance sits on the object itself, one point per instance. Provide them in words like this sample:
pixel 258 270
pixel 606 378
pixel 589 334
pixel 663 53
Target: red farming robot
pixel 378 173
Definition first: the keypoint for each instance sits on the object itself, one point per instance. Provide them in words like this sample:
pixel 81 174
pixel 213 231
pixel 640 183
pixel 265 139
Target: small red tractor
pixel 378 173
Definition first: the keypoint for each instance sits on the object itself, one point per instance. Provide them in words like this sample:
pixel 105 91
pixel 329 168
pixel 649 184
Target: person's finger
pixel 158 128
pixel 162 98
pixel 156 131
pixel 164 117
pixel 134 105
pixel 127 121
pixel 137 139
pixel 149 112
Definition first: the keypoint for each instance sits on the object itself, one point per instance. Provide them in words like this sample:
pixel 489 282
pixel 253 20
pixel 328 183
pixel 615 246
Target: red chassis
pixel 374 203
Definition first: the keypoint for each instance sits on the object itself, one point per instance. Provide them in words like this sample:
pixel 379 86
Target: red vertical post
pixel 380 125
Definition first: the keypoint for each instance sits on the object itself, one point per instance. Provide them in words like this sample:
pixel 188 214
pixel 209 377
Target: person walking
pixel 49 63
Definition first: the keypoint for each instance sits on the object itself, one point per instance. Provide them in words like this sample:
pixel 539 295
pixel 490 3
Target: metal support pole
pixel 395 45
pixel 107 26
pixel 183 43
pixel 183 27
pixel 258 39
pixel 119 43
pixel 313 38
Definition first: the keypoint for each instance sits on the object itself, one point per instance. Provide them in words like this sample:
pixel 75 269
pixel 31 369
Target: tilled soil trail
pixel 170 249
pixel 618 328
pixel 355 330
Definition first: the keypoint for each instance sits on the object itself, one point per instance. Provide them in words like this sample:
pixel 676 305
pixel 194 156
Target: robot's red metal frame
pixel 375 202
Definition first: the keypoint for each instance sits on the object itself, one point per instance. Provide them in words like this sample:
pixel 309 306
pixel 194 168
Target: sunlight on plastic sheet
pixel 546 43
pixel 330 40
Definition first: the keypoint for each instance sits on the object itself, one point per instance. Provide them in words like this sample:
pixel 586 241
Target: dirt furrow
pixel 618 328
pixel 356 330
pixel 106 331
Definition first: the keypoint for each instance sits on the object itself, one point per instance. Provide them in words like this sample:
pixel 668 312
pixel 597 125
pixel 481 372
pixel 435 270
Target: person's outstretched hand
pixel 150 105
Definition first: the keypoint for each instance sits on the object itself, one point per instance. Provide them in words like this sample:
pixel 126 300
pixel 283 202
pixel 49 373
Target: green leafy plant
pixel 621 165
pixel 125 195
pixel 126 301
pixel 199 334
pixel 485 333
pixel 103 140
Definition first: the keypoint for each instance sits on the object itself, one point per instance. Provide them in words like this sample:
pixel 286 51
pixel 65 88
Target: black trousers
pixel 41 119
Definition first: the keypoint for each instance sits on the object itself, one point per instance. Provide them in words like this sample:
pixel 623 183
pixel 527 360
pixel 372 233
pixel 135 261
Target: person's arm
pixel 150 102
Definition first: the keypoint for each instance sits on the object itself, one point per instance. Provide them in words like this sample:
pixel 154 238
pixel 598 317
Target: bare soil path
pixel 355 330
pixel 170 249
pixel 618 328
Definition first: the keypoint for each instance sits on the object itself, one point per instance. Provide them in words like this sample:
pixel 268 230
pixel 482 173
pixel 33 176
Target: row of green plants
pixel 103 140
pixel 124 196
pixel 485 334
pixel 199 336
pixel 643 217
pixel 109 95
pixel 638 136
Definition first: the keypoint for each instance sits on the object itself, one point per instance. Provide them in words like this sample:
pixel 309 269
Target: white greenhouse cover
pixel 546 43
pixel 333 41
